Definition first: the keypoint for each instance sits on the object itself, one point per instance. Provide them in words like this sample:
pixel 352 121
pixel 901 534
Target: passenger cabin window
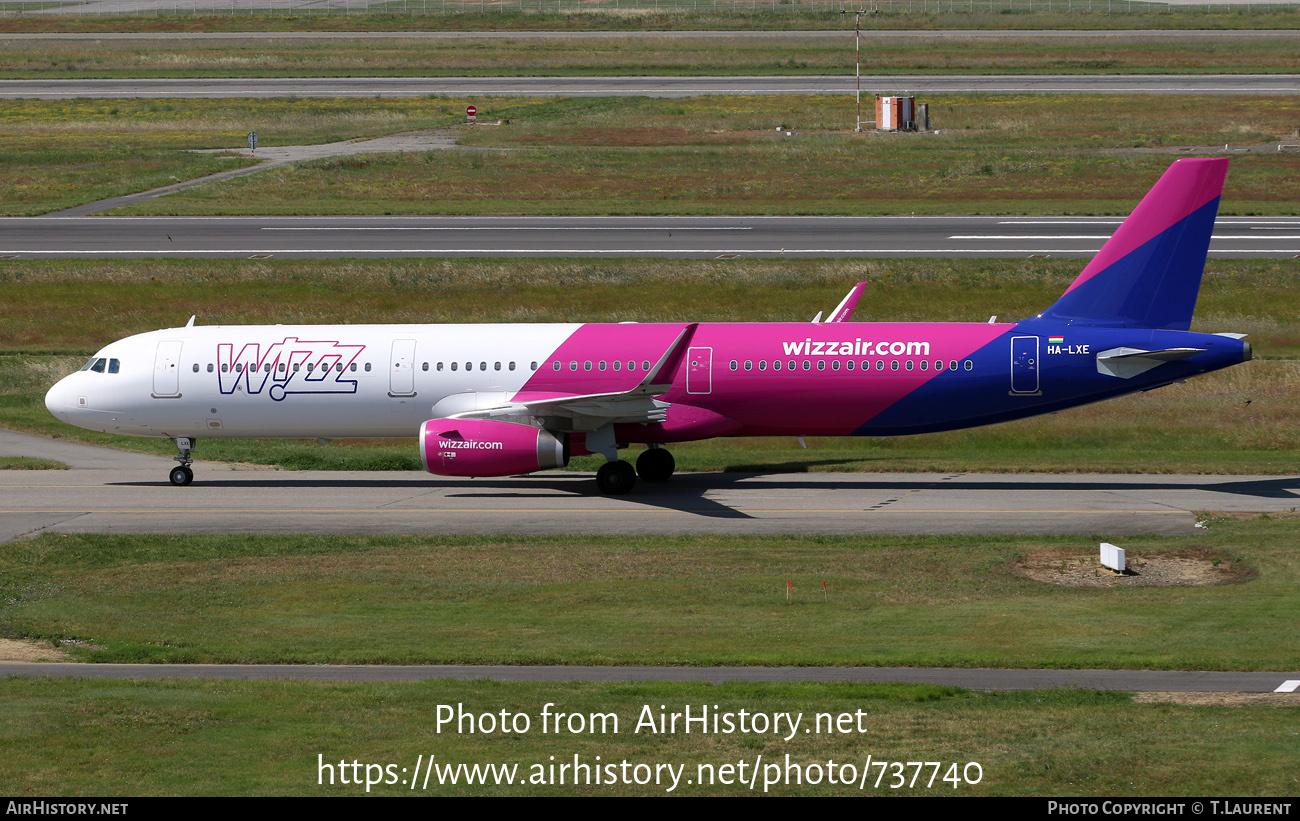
pixel 196 367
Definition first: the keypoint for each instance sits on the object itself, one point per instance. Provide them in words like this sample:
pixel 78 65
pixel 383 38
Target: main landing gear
pixel 655 464
pixel 182 475
pixel 617 477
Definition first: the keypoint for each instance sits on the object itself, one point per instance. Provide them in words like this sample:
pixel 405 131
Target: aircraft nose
pixel 61 399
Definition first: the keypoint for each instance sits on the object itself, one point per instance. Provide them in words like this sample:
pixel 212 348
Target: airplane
pixel 507 399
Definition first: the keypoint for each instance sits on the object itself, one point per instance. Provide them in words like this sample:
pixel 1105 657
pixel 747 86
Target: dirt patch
pixel 12 650
pixel 1221 699
pixel 1189 567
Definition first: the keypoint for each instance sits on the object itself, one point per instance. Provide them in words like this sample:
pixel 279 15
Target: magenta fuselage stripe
pixel 767 401
pixel 1188 185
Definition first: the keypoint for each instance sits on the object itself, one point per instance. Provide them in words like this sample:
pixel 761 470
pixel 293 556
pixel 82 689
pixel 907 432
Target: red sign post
pixel 471 113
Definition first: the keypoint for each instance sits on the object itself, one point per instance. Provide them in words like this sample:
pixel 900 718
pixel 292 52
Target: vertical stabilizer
pixel 1149 272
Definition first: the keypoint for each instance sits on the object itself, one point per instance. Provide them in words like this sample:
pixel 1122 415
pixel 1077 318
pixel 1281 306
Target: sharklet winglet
pixel 844 311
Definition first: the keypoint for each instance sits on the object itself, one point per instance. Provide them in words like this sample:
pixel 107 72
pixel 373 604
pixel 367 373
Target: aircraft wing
pixel 1127 363
pixel 594 410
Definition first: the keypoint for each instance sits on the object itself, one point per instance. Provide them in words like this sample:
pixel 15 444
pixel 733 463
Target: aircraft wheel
pixel 181 476
pixel 615 478
pixel 655 465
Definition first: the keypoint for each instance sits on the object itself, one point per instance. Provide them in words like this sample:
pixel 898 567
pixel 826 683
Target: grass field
pixel 888 601
pixel 1238 421
pixel 1026 154
pixel 57 154
pixel 623 55
pixel 683 15
pixel 78 737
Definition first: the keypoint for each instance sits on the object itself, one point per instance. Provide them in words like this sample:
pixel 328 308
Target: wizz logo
pixel 288 367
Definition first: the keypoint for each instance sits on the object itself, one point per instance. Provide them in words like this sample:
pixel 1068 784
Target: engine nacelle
pixel 486 447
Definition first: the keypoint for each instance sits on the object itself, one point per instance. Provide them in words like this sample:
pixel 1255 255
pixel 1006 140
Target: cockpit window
pixel 113 365
pixel 98 365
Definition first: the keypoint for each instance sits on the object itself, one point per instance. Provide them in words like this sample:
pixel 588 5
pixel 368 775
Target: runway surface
pixel 300 87
pixel 981 679
pixel 108 492
pixel 697 237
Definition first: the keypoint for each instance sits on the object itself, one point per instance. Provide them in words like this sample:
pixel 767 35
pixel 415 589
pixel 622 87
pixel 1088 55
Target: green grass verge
pixel 911 601
pixel 29 463
pixel 70 737
pixel 1237 421
pixel 617 54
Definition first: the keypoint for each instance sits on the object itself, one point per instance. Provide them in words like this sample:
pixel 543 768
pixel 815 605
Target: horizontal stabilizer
pixel 1126 363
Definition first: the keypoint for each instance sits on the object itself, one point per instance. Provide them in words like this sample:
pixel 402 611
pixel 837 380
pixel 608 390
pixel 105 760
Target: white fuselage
pixel 218 382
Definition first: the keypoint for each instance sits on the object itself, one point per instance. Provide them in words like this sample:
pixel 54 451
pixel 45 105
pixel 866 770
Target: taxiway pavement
pixel 129 493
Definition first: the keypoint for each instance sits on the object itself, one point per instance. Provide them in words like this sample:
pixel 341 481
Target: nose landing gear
pixel 182 475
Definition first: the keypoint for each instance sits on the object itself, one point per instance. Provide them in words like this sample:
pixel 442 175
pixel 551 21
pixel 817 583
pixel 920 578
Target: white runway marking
pixel 1288 686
